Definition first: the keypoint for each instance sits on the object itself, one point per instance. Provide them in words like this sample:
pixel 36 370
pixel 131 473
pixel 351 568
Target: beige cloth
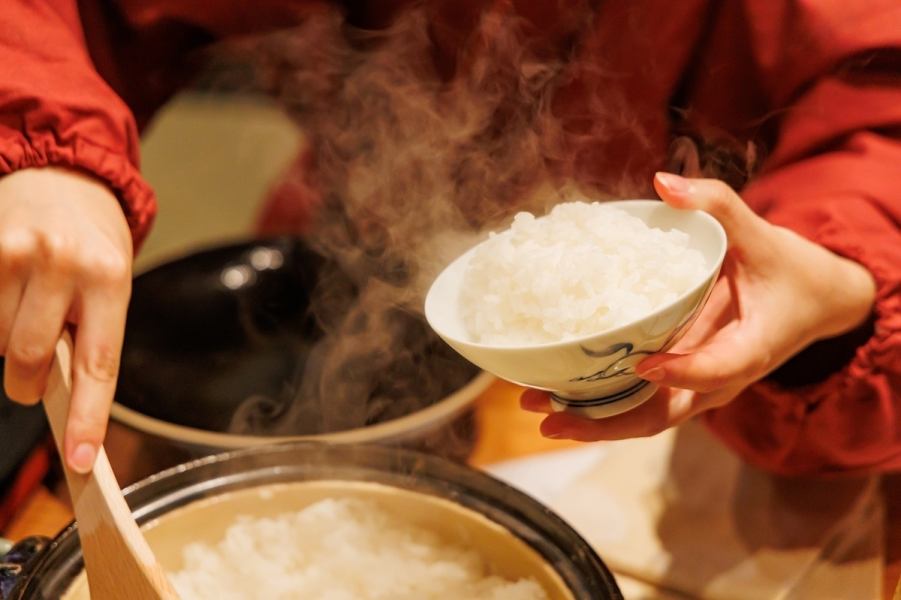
pixel 681 513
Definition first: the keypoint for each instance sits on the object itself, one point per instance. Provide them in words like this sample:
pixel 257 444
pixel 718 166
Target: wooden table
pixel 505 432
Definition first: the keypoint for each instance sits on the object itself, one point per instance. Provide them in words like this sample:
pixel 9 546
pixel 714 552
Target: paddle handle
pixel 118 560
pixel 56 401
pixel 56 404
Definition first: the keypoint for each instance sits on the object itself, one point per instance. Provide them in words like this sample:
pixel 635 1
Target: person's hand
pixel 65 257
pixel 778 293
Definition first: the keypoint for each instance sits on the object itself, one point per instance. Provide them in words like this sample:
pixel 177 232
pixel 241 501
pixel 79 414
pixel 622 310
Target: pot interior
pixel 207 520
pixel 269 338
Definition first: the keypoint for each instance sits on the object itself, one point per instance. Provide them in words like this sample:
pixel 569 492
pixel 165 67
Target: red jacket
pixel 815 82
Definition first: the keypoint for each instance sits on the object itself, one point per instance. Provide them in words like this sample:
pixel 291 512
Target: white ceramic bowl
pixel 592 375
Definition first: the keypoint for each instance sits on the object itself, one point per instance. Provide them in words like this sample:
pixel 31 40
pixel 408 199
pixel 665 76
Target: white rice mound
pixel 339 549
pixel 581 269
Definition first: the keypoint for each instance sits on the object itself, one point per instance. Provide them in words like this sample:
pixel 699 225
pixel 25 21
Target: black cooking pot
pixel 220 347
pixel 44 570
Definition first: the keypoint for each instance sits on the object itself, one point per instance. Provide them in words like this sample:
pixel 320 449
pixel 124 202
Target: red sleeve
pixel 834 177
pixel 55 109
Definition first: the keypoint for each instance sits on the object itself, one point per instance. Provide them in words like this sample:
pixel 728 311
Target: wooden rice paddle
pixel 118 561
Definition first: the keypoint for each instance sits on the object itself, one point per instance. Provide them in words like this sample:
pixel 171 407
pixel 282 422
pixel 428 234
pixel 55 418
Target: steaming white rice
pixel 339 549
pixel 581 269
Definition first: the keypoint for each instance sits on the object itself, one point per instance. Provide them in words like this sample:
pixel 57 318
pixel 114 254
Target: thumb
pixel 716 198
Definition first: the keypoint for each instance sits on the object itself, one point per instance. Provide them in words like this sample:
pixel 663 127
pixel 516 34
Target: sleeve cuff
pixel 117 171
pixel 853 226
pixel 821 360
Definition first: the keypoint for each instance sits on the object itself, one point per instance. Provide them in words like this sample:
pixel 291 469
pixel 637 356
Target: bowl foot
pixel 606 406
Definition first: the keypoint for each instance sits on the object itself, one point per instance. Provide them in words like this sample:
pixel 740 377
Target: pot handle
pixel 15 559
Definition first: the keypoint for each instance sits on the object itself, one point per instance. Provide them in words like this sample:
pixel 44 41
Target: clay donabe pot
pixel 516 535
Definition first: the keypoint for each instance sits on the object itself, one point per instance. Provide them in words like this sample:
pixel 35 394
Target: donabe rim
pixel 407 425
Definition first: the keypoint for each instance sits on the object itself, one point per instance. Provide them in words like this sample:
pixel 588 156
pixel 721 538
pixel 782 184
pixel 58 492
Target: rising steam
pixel 408 166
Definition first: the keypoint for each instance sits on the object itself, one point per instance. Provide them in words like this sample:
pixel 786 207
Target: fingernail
pixel 675 183
pixel 82 460
pixel 653 374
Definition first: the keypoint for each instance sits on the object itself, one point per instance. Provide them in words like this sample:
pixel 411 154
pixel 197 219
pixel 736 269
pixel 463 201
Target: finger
pixel 32 339
pixel 95 365
pixel 712 196
pixel 717 312
pixel 15 261
pixel 535 401
pixel 663 410
pixel 11 288
pixel 725 360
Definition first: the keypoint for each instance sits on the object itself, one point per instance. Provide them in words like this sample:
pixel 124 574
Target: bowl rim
pixel 711 274
pixel 407 425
